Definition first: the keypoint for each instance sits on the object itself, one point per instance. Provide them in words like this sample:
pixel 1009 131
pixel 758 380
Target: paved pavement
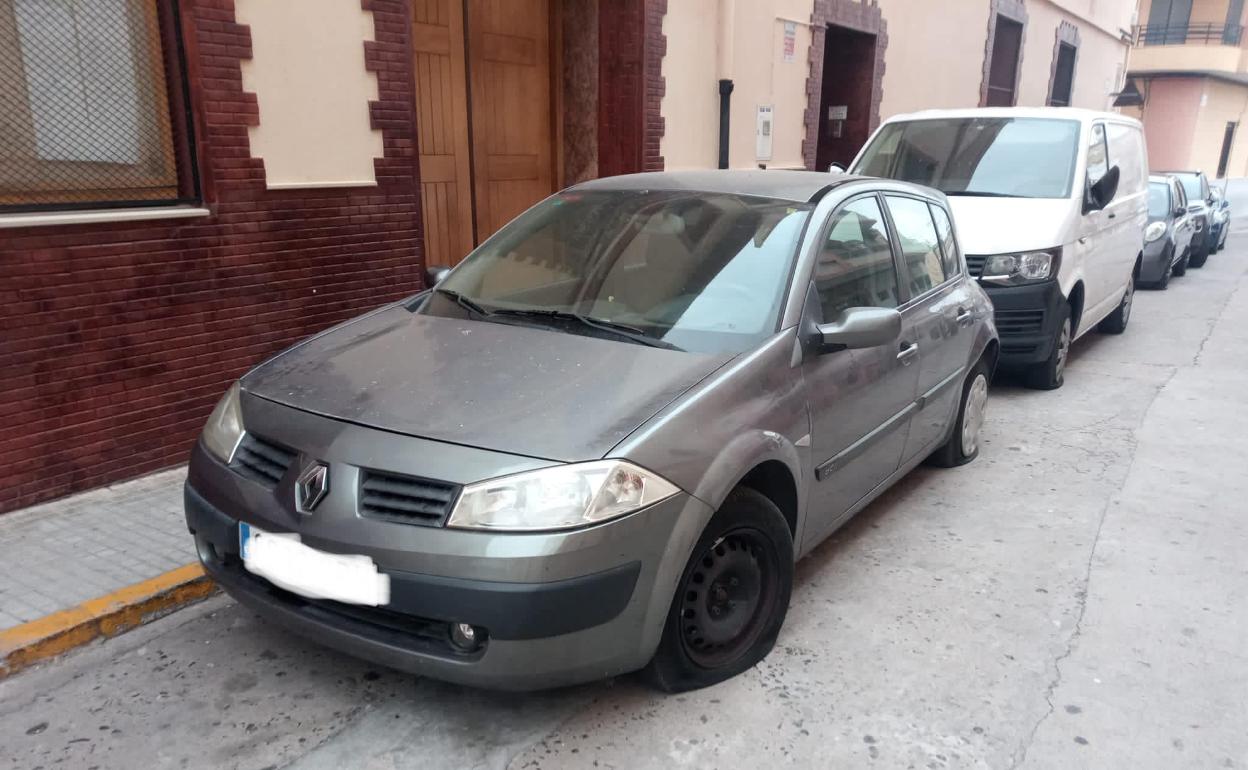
pixel 57 555
pixel 1078 597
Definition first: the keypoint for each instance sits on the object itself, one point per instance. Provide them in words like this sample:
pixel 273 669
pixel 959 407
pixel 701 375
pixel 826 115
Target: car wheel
pixel 731 599
pixel 1164 280
pixel 963 443
pixel 1050 373
pixel 1199 255
pixel 1116 322
pixel 1181 267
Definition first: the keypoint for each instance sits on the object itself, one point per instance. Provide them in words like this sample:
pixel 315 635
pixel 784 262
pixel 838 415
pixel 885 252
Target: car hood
pixel 520 390
pixel 1001 225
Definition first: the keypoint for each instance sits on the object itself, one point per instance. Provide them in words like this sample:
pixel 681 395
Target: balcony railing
pixel 1190 34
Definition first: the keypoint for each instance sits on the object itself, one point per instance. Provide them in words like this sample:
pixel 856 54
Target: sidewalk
pixel 93 564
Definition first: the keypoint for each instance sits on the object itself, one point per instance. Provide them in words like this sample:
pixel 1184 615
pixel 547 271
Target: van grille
pixel 975 264
pixel 261 461
pixel 406 499
pixel 1016 323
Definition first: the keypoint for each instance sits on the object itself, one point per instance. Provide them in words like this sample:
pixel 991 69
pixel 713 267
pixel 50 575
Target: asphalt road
pixel 1078 597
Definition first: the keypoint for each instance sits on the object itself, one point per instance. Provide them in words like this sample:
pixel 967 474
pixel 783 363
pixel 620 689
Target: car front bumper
pixel 553 608
pixel 1026 319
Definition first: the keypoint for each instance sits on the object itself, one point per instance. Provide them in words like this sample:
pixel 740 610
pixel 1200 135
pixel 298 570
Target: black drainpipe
pixel 725 100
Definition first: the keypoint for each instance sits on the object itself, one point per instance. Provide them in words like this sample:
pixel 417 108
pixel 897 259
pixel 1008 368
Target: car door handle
pixel 907 354
pixel 965 317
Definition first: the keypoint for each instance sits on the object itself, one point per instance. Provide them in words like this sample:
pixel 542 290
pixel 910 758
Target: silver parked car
pixel 599 444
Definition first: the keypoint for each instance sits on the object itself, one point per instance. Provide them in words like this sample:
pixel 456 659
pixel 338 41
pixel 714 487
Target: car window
pixel 1158 199
pixel 920 246
pixel 948 245
pixel 1191 186
pixel 855 266
pixel 1098 155
pixel 1180 195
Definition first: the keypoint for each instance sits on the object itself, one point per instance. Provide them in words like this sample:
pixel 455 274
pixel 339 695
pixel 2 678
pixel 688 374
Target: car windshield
pixel 994 157
pixel 697 271
pixel 1158 199
pixel 1191 186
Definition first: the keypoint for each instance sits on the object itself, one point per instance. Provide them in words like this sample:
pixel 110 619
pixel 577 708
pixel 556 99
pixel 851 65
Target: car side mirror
pixel 1101 193
pixel 1180 211
pixel 861 327
pixel 836 168
pixel 435 273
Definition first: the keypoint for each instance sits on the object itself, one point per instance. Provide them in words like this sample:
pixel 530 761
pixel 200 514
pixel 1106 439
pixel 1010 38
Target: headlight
pixel 1022 268
pixel 225 426
pixel 561 497
pixel 1154 231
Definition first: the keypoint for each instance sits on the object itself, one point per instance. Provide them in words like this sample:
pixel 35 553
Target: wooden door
pixel 512 140
pixel 442 129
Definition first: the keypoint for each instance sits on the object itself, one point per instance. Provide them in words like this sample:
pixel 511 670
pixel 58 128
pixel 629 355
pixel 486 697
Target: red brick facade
pixel 116 339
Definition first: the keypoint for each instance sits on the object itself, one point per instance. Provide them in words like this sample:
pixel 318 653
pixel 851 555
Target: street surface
pixel 1077 597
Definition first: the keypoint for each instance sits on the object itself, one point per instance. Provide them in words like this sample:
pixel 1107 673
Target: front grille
pixel 975 264
pixel 1016 323
pixel 261 461
pixel 406 499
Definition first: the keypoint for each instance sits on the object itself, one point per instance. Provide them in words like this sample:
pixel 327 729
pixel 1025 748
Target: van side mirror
pixel 861 327
pixel 434 274
pixel 1100 194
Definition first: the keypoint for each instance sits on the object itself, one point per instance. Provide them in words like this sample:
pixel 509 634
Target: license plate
pixel 287 563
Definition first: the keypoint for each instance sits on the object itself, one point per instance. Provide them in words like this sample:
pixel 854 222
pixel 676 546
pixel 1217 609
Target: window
pixel 1063 76
pixel 1126 150
pixel 1180 195
pixel 948 244
pixel 1007 41
pixel 855 267
pixel 85 92
pixel 1228 139
pixel 1168 22
pixel 920 246
pixel 1158 200
pixel 1098 155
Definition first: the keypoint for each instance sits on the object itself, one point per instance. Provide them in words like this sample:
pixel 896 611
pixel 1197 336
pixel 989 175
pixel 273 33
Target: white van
pixel 1051 205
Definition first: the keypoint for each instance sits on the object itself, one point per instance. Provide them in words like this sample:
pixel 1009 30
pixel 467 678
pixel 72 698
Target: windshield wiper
pixel 464 302
pixel 614 327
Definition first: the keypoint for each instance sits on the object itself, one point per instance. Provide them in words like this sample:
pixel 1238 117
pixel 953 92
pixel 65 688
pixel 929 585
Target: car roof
pixel 1161 178
pixel 1179 173
pixel 797 186
pixel 1053 113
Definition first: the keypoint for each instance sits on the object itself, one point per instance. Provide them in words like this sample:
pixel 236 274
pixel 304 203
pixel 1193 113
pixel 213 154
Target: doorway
pixel 845 104
pixel 485 112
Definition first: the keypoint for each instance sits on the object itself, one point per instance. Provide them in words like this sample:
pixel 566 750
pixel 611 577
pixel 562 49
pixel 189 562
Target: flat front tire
pixel 732 596
pixel 1050 373
pixel 964 440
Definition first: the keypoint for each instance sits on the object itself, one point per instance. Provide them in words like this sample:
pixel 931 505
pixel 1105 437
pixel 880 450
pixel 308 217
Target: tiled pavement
pixel 57 555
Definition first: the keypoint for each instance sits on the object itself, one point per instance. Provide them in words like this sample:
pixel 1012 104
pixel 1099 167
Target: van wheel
pixel 1116 322
pixel 963 443
pixel 1181 267
pixel 1049 374
pixel 731 599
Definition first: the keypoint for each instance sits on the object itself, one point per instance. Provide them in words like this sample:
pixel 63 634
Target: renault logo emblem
pixel 310 487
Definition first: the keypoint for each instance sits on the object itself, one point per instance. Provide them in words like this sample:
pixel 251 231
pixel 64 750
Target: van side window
pixel 920 246
pixel 1098 154
pixel 1126 149
pixel 855 267
pixel 948 246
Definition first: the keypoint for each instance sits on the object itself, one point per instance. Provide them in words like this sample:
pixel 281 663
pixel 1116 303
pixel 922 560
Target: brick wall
pixel 116 340
pixel 631 47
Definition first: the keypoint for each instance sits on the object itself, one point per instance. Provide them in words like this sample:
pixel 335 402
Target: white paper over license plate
pixel 287 563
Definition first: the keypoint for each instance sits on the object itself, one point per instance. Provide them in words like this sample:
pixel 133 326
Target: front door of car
pixel 860 401
pixel 939 311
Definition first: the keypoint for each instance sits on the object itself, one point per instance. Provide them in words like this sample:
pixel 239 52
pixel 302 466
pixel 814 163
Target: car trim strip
pixel 930 394
pixel 824 471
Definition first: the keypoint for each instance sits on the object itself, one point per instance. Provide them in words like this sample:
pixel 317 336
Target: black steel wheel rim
pixel 727 597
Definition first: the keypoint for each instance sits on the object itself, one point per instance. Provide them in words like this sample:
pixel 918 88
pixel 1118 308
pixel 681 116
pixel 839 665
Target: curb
pixel 105 616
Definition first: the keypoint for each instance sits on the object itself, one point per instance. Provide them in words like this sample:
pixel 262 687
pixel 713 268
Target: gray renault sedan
pixel 599 443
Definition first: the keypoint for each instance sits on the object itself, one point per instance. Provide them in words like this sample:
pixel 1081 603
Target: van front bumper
pixel 1026 319
pixel 596 608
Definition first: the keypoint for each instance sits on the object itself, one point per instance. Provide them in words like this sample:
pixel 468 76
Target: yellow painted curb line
pixel 104 616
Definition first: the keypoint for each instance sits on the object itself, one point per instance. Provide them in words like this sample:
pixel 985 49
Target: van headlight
pixel 225 426
pixel 1025 267
pixel 1154 231
pixel 561 497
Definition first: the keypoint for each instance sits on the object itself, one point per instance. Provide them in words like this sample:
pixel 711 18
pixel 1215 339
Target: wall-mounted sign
pixel 838 112
pixel 762 133
pixel 790 40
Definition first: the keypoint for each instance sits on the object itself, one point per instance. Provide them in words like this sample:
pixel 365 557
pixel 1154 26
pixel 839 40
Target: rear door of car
pixel 861 401
pixel 939 313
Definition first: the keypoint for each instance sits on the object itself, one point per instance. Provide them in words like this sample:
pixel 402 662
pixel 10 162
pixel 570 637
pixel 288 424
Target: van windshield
pixel 992 157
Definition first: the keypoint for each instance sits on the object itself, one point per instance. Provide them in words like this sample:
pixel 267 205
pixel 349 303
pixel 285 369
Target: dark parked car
pixel 1200 207
pixel 599 444
pixel 1168 236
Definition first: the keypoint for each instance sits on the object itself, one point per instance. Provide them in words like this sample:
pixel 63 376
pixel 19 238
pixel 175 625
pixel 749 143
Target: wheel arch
pixel 1075 300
